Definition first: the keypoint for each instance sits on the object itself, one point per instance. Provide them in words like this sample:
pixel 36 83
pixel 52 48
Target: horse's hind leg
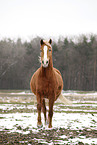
pixel 50 115
pixel 44 109
pixel 39 103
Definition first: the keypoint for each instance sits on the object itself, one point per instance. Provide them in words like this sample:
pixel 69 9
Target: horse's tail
pixel 64 100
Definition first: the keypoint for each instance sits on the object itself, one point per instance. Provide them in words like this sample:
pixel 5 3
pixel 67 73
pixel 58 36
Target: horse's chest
pixel 46 87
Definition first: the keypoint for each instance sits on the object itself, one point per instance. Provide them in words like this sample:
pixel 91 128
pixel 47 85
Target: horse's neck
pixel 47 72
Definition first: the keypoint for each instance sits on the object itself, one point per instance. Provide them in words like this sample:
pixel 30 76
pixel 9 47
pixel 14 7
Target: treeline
pixel 76 59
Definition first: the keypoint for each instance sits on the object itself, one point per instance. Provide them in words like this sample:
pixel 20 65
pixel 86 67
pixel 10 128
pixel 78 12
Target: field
pixel 76 124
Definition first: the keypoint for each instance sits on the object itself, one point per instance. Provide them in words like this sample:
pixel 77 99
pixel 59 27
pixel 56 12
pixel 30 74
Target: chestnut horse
pixel 46 83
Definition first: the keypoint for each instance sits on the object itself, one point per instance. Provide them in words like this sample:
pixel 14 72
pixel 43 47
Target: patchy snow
pixel 22 93
pixel 74 121
pixel 12 121
pixel 65 116
pixel 84 140
pixel 17 106
pixel 68 120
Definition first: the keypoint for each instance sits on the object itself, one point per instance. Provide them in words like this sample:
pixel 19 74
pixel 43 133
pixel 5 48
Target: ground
pixel 76 124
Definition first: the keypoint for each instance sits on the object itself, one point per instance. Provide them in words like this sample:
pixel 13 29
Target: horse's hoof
pixel 50 126
pixel 39 126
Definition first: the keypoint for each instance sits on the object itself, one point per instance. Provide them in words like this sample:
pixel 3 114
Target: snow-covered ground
pixel 81 115
pixel 60 118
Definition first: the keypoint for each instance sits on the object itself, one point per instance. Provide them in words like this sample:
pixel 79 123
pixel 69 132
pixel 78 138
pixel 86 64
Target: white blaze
pixel 45 54
pixel 45 59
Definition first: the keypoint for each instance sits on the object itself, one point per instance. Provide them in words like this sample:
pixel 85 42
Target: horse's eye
pixel 49 50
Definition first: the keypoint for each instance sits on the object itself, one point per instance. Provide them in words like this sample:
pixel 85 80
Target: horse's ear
pixel 50 41
pixel 41 41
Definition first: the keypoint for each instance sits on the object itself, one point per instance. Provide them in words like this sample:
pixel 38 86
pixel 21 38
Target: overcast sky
pixel 47 18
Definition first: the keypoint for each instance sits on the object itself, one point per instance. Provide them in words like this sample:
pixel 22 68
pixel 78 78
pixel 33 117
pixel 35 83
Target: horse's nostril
pixel 47 62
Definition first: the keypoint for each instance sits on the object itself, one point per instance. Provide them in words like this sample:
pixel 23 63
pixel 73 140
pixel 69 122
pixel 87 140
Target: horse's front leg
pixel 44 109
pixel 39 105
pixel 50 114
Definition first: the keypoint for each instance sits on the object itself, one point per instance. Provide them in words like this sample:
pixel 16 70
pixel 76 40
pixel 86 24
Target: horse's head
pixel 46 52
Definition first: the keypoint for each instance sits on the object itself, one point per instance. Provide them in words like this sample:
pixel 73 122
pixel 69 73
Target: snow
pixel 68 120
pixel 22 93
pixel 84 140
pixel 74 121
pixel 61 118
pixel 11 121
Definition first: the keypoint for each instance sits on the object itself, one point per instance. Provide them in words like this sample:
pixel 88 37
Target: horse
pixel 47 83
